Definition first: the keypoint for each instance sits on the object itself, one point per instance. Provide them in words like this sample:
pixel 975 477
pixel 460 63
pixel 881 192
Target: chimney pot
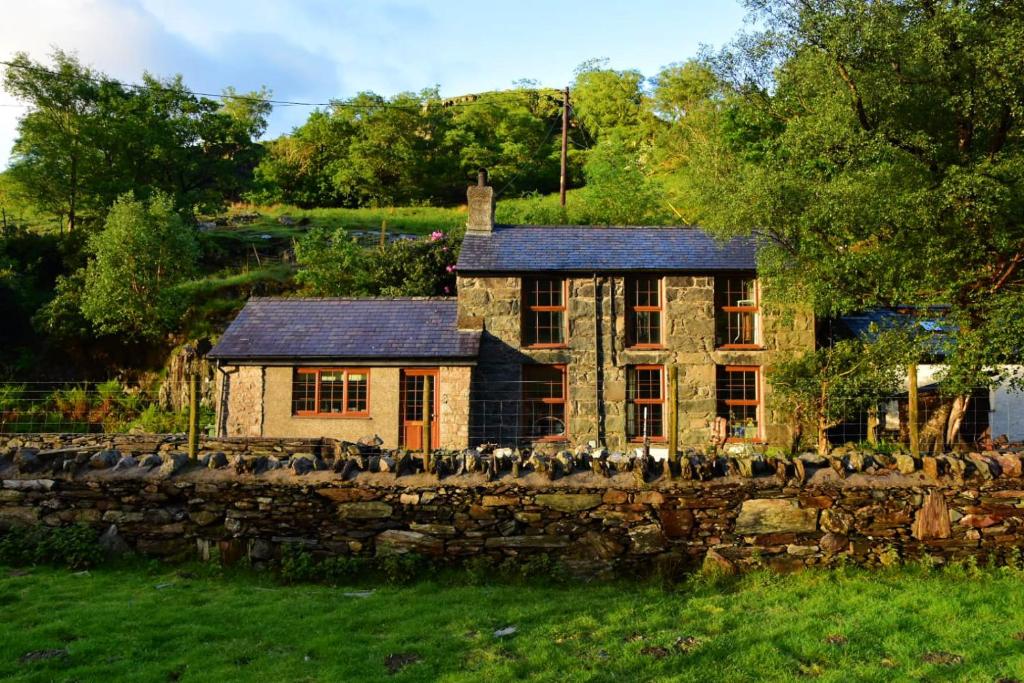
pixel 480 198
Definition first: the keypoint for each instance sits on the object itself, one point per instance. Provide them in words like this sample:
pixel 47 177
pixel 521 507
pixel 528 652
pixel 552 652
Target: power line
pixel 478 99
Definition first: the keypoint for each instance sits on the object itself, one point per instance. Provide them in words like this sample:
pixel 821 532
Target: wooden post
pixel 565 145
pixel 673 414
pixel 912 409
pixel 193 410
pixel 383 233
pixel 427 405
pixel 873 425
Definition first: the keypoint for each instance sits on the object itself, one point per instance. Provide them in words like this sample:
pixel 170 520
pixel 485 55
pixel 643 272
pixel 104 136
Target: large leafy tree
pixel 143 251
pixel 877 146
pixel 86 139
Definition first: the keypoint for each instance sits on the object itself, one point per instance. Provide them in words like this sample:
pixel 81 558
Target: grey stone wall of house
pixel 597 356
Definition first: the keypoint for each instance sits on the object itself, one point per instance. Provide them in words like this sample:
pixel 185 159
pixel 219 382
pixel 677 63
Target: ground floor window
pixel 739 401
pixel 645 402
pixel 544 391
pixel 331 392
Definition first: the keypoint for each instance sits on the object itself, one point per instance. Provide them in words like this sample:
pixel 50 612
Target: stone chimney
pixel 481 205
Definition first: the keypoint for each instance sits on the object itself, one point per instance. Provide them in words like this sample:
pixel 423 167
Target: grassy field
pixel 159 623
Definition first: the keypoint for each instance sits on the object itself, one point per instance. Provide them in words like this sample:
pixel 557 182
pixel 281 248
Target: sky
pixel 317 50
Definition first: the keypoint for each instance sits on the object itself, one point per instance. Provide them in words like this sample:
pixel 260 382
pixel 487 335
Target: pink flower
pixel 436 235
pixel 450 269
pixel 447 290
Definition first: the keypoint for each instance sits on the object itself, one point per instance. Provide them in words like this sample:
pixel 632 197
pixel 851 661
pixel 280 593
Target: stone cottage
pixel 559 334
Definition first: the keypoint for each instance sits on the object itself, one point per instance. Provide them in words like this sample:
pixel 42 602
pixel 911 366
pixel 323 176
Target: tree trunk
pixel 933 432
pixel 956 418
pixel 823 444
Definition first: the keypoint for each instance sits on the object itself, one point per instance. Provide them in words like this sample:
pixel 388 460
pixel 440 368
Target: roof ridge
pixel 353 298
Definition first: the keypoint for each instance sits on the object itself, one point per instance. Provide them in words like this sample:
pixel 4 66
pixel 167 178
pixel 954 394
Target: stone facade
pixel 597 357
pixel 589 526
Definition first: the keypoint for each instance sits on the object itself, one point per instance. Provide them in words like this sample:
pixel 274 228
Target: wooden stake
pixel 673 414
pixel 565 145
pixel 383 233
pixel 193 410
pixel 915 440
pixel 427 405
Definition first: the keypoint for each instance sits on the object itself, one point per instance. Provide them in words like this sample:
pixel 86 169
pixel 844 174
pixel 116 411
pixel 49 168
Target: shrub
pixel 75 547
pixel 299 566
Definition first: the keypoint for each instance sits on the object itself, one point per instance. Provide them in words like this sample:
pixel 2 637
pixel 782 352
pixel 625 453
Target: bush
pixel 75 547
pixel 299 566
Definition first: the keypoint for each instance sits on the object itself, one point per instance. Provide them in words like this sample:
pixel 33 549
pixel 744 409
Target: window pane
pixel 646 384
pixel 543 419
pixel 412 398
pixel 543 381
pixel 548 327
pixel 332 391
pixel 647 327
pixel 641 415
pixel 303 391
pixel 358 385
pixel 742 422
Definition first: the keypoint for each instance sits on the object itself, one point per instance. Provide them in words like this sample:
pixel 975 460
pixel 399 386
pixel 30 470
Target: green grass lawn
pixel 165 624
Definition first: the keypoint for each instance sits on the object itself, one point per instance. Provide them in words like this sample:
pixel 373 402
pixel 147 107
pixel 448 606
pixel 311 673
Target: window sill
pixel 545 347
pixel 647 347
pixel 736 439
pixel 740 347
pixel 545 439
pixel 639 440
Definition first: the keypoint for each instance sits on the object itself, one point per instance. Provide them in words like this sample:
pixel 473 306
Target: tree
pixel 330 263
pixel 144 249
pixel 618 191
pixel 836 383
pixel 877 149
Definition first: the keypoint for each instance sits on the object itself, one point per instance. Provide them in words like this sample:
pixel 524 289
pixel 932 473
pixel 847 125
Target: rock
pixel 568 502
pixel 505 632
pixel 29 484
pixel 930 466
pixel 104 460
pixel 398 542
pixel 150 461
pixel 676 523
pixel 647 539
pixel 203 517
pixel 173 462
pixel 979 521
pixel 768 515
pixel 409 499
pixel 801 550
pixel 836 521
pixel 373 441
pixel 260 549
pixel 615 497
pixel 27 460
pixel 512 542
pixel 302 465
pixel 596 546
pixel 715 562
pixel 833 543
pixel 985 467
pixel 112 543
pixel 905 464
pixel 932 520
pixel 127 462
pixel 217 461
pixel 364 510
pixel 1009 463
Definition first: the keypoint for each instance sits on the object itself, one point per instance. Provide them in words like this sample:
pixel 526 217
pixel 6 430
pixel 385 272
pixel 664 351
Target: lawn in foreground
pixel 160 623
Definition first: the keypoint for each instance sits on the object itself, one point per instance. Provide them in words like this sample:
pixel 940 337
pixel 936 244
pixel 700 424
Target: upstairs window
pixel 645 402
pixel 643 312
pixel 330 392
pixel 739 401
pixel 737 314
pixel 544 312
pixel 544 390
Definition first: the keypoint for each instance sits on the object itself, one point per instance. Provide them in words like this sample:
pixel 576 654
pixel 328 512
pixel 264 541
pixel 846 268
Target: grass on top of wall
pixel 160 623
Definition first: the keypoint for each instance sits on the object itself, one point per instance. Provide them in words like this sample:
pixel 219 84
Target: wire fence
pixel 510 413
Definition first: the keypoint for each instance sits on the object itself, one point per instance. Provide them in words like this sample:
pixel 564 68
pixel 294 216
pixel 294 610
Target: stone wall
pixel 589 524
pixel 597 356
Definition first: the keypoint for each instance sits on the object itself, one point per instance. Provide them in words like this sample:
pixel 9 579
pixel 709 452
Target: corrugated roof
pixel 339 329
pixel 588 249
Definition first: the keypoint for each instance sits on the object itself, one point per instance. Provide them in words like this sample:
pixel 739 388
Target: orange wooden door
pixel 411 407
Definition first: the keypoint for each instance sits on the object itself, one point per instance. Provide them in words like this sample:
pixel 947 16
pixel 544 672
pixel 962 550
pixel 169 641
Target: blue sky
pixel 315 50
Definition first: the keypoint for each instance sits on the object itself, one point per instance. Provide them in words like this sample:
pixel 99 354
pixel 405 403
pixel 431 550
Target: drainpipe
pixel 222 412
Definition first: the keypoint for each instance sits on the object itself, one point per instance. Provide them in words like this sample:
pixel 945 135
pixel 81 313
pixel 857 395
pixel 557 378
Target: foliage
pixel 297 565
pixel 835 383
pixel 88 139
pixel 75 547
pixel 878 148
pixel 332 264
pixel 618 191
pixel 142 252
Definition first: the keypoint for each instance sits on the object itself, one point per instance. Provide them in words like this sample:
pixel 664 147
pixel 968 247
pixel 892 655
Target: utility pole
pixel 565 142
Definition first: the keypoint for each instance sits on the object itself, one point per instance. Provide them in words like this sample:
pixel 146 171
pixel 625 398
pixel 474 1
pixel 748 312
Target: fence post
pixel 193 408
pixel 912 408
pixel 673 414
pixel 427 405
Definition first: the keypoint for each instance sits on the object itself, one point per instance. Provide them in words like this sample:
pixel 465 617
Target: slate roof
pixel 927 325
pixel 346 329
pixel 589 249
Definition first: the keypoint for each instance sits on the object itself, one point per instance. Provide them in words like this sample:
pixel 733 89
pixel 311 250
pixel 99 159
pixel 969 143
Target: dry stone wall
pixel 592 525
